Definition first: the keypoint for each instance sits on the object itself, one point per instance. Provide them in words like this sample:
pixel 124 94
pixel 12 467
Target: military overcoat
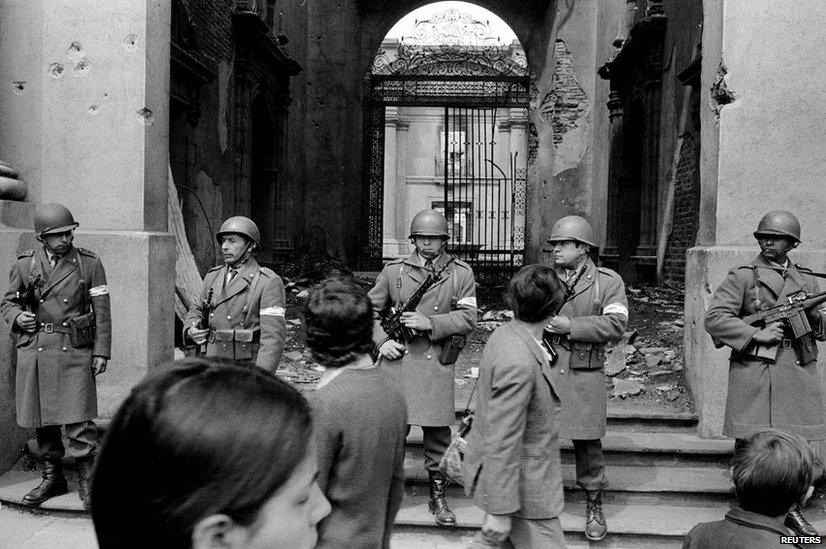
pixel 54 383
pixel 598 310
pixel 450 304
pixel 785 395
pixel 238 305
pixel 512 464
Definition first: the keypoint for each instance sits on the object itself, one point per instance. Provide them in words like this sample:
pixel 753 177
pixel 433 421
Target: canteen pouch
pixel 243 344
pixel 224 343
pixel 82 330
pixel 451 349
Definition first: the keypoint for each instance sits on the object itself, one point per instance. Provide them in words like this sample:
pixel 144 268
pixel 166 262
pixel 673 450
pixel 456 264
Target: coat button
pixel 429 357
pixel 435 307
pixel 797 362
pixel 561 371
pixel 211 314
pixel 40 349
pixel 41 301
pixel 229 317
pixel 65 300
pixel 65 323
pixel 65 349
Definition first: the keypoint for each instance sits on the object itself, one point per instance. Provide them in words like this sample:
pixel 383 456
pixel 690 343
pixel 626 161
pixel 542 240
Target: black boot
pixel 53 484
pixel 595 526
pixel 797 522
pixel 84 479
pixel 437 504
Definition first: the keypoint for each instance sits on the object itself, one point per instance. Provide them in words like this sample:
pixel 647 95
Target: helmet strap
pixel 244 258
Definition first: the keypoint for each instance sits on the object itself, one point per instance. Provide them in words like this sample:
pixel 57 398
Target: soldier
pixel 425 365
pixel 595 313
pixel 58 305
pixel 246 302
pixel 764 391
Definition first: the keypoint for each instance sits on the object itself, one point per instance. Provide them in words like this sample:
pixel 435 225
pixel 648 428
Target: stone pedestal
pixel 86 124
pixel 761 150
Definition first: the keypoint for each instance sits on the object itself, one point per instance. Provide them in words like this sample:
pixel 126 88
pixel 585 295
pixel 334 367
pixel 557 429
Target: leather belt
pixel 49 327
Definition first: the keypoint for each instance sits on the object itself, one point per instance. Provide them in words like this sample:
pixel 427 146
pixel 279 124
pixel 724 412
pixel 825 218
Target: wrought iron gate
pixel 484 202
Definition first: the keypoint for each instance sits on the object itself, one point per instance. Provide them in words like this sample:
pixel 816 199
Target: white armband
pixel 99 291
pixel 272 311
pixel 616 308
pixel 466 302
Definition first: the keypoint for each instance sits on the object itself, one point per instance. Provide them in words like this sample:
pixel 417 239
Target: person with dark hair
pixel 360 417
pixel 208 454
pixel 512 465
pixel 595 313
pixel 772 473
pixel 240 313
pixel 774 378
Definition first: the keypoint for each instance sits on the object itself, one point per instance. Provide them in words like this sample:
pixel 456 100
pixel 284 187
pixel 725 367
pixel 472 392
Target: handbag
pixel 451 463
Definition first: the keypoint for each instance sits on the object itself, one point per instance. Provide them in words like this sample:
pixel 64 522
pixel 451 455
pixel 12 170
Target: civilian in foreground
pixel 208 454
pixel 360 418
pixel 512 466
pixel 772 473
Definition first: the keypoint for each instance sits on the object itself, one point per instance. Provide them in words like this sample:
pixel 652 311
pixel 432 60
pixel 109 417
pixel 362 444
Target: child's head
pixel 772 472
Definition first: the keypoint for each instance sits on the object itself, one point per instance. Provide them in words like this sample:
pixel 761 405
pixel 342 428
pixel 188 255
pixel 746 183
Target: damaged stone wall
pixel 686 210
pixel 567 103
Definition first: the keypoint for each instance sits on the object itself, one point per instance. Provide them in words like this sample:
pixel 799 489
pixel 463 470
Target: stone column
pixel 391 244
pixel 763 121
pixel 87 125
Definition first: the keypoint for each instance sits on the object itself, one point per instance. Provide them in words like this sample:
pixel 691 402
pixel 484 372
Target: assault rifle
pixel 392 321
pixel 206 311
pixel 793 314
pixel 27 295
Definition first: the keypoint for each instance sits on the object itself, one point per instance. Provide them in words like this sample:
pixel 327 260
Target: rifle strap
pixel 782 271
pixel 758 303
pixel 249 296
pixel 808 271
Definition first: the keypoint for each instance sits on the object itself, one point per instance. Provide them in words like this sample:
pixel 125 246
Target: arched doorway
pixel 446 128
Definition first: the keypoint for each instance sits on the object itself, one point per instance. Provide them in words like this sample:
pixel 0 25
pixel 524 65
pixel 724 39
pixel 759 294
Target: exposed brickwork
pixel 567 102
pixel 213 20
pixel 686 209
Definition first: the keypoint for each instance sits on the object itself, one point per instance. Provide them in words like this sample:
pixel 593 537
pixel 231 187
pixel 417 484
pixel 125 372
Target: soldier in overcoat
pixel 595 313
pixel 780 392
pixel 446 310
pixel 245 302
pixel 57 305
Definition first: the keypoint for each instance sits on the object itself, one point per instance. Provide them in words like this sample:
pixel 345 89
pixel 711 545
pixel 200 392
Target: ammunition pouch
pixel 587 356
pixel 234 344
pixel 451 348
pixel 82 330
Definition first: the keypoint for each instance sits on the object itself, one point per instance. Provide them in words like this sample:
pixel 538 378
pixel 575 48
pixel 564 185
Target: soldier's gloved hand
pixel 198 336
pixel 391 349
pixel 559 325
pixel 416 321
pixel 26 321
pixel 770 334
pixel 99 365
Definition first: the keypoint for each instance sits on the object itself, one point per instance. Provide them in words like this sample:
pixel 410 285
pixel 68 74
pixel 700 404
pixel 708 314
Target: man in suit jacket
pixel 595 312
pixel 512 465
pixel 247 305
pixel 783 391
pixel 58 303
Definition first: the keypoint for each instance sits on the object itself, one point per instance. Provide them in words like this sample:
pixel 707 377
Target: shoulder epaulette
pixel 215 268
pixel 25 253
pixel 88 253
pixel 606 271
pixel 397 260
pixel 461 263
pixel 749 266
pixel 269 273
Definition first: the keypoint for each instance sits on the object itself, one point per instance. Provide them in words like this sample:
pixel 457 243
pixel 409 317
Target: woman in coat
pixel 512 465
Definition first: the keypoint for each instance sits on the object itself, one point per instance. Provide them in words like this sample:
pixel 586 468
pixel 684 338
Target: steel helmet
pixel 51 218
pixel 779 223
pixel 572 227
pixel 428 223
pixel 239 224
